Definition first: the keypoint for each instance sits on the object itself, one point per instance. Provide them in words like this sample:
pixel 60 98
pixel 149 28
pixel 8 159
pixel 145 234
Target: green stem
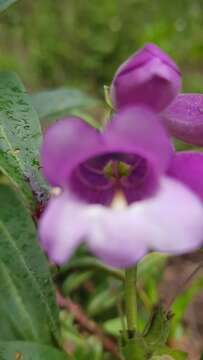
pixel 131 299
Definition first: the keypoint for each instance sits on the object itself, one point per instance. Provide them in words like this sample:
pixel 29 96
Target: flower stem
pixel 131 299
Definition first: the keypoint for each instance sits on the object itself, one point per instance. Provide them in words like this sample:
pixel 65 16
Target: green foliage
pixel 20 136
pixel 60 102
pixel 21 350
pixel 182 303
pixel 27 307
pixel 93 40
pixel 6 3
pixel 165 353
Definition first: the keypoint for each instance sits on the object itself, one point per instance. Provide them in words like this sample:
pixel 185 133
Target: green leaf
pixel 166 353
pixel 90 263
pixel 182 302
pixel 20 139
pixel 6 3
pixel 60 102
pixel 27 304
pixel 112 326
pixel 74 281
pixel 152 263
pixel 20 350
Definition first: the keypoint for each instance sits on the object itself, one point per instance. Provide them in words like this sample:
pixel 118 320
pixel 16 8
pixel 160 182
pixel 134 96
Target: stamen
pixel 117 169
pixel 119 201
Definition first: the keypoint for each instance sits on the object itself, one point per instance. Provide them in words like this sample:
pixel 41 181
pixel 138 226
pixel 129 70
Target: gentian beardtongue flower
pixel 148 77
pixel 130 160
pixel 151 77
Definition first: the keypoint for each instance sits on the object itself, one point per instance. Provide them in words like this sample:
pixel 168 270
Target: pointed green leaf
pixel 20 138
pixel 6 3
pixel 60 102
pixel 27 304
pixel 20 350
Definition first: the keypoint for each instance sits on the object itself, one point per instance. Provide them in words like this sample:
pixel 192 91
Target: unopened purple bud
pixel 148 77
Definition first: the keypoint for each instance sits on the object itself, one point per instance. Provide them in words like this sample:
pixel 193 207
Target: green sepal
pixel 135 349
pixel 151 345
pixel 107 97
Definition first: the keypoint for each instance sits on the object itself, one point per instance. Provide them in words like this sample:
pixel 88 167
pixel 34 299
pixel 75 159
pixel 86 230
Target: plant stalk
pixel 131 299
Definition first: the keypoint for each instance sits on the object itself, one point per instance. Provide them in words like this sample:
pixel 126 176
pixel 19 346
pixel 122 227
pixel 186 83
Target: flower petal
pixel 184 118
pixel 117 237
pixel 187 167
pixel 66 144
pixel 148 77
pixel 59 232
pixel 175 217
pixel 73 152
pixel 138 130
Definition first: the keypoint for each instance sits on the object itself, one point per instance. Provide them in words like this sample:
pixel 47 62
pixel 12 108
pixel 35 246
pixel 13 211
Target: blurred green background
pixel 81 42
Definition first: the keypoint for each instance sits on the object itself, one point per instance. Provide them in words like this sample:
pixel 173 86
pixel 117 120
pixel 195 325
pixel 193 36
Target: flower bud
pixel 148 77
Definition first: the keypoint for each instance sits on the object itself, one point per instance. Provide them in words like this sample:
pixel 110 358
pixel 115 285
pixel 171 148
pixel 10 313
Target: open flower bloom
pixel 124 191
pixel 151 77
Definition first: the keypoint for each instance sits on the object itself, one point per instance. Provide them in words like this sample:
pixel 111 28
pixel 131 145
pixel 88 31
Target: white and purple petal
pixel 187 167
pixel 62 227
pixel 171 221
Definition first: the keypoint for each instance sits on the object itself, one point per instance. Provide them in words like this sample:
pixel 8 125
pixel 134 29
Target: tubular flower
pixel 148 77
pixel 124 191
pixel 151 77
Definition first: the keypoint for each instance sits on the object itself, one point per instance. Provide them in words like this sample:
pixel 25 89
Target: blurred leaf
pixel 60 102
pixel 74 281
pixel 87 118
pixel 27 305
pixel 91 349
pixel 151 265
pixel 182 302
pixel 21 350
pixel 113 326
pixel 20 138
pixel 164 353
pixel 101 302
pixel 91 263
pixel 6 3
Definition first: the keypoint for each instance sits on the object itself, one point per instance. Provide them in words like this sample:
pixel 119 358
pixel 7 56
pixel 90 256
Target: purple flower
pixel 151 77
pixel 148 77
pixel 184 118
pixel 124 191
